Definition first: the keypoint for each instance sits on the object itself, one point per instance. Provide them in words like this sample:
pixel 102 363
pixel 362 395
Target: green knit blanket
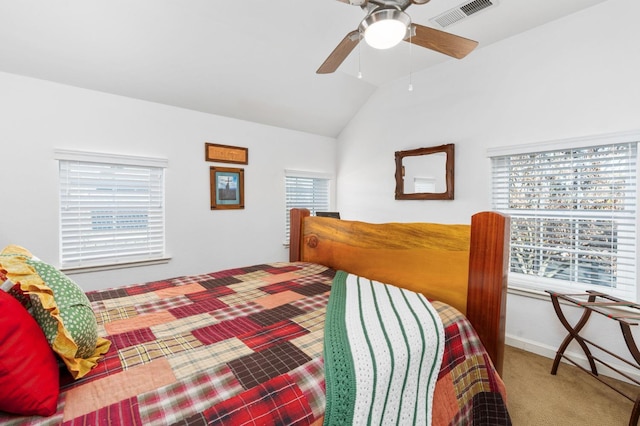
pixel 382 351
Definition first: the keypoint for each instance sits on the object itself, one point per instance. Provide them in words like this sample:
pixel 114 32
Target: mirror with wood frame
pixel 425 173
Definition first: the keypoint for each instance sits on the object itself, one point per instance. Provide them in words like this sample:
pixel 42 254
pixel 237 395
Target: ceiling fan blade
pixel 449 44
pixel 340 53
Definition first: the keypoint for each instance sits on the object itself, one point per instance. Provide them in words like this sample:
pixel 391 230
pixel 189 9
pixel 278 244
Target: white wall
pixel 573 77
pixel 38 116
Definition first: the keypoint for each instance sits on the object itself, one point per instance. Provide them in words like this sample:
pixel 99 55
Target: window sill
pixel 528 292
pixel 124 265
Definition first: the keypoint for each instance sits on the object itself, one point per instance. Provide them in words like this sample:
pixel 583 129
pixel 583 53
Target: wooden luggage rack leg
pixel 598 302
pixel 633 349
pixel 573 334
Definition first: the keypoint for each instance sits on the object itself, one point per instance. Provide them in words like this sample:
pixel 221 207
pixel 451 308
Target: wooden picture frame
pixel 227 188
pixel 448 151
pixel 226 153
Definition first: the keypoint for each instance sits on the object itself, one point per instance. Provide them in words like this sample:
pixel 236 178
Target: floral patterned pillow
pixel 59 306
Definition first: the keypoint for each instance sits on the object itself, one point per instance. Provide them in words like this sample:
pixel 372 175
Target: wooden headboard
pixel 462 265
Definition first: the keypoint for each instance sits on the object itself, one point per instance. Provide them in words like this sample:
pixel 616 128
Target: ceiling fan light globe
pixel 385 34
pixel 385 28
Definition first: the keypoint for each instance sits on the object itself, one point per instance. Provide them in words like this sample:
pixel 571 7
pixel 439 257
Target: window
pixel 424 184
pixel 111 209
pixel 573 217
pixel 306 190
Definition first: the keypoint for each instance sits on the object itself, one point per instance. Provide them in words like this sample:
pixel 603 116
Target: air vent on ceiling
pixel 462 11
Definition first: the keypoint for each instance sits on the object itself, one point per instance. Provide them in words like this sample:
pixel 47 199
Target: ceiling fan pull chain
pixel 410 58
pixel 359 55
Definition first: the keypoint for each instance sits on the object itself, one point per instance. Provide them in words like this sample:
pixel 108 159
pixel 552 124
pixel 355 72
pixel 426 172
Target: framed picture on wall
pixel 226 153
pixel 227 188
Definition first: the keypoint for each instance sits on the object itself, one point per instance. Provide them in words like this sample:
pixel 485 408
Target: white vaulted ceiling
pixel 248 59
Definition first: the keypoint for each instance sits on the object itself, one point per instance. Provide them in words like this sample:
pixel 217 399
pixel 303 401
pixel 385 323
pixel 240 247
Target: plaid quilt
pixel 242 346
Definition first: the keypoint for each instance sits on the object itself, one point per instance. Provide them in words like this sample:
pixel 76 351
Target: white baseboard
pixel 549 352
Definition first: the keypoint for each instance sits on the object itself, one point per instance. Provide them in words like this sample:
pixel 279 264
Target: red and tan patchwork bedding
pixel 242 346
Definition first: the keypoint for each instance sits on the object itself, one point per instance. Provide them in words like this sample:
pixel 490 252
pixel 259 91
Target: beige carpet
pixel 572 397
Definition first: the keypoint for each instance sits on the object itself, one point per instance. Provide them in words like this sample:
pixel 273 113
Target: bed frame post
pixel 488 270
pixel 296 216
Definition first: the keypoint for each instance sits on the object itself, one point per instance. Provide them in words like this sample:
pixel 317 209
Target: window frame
pixel 156 256
pixel 536 284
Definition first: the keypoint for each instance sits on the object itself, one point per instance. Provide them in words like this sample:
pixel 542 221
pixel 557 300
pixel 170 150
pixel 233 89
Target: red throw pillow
pixel 29 376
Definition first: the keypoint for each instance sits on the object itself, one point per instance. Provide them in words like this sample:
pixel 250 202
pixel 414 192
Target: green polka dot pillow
pixel 59 306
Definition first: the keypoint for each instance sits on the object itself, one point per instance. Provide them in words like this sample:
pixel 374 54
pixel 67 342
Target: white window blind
pixel 110 213
pixel 305 190
pixel 573 217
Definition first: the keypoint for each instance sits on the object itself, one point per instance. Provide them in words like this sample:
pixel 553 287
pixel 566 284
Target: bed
pixel 247 345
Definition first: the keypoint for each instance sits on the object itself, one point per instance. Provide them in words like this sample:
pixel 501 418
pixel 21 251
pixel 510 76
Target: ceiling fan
pixel 386 24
